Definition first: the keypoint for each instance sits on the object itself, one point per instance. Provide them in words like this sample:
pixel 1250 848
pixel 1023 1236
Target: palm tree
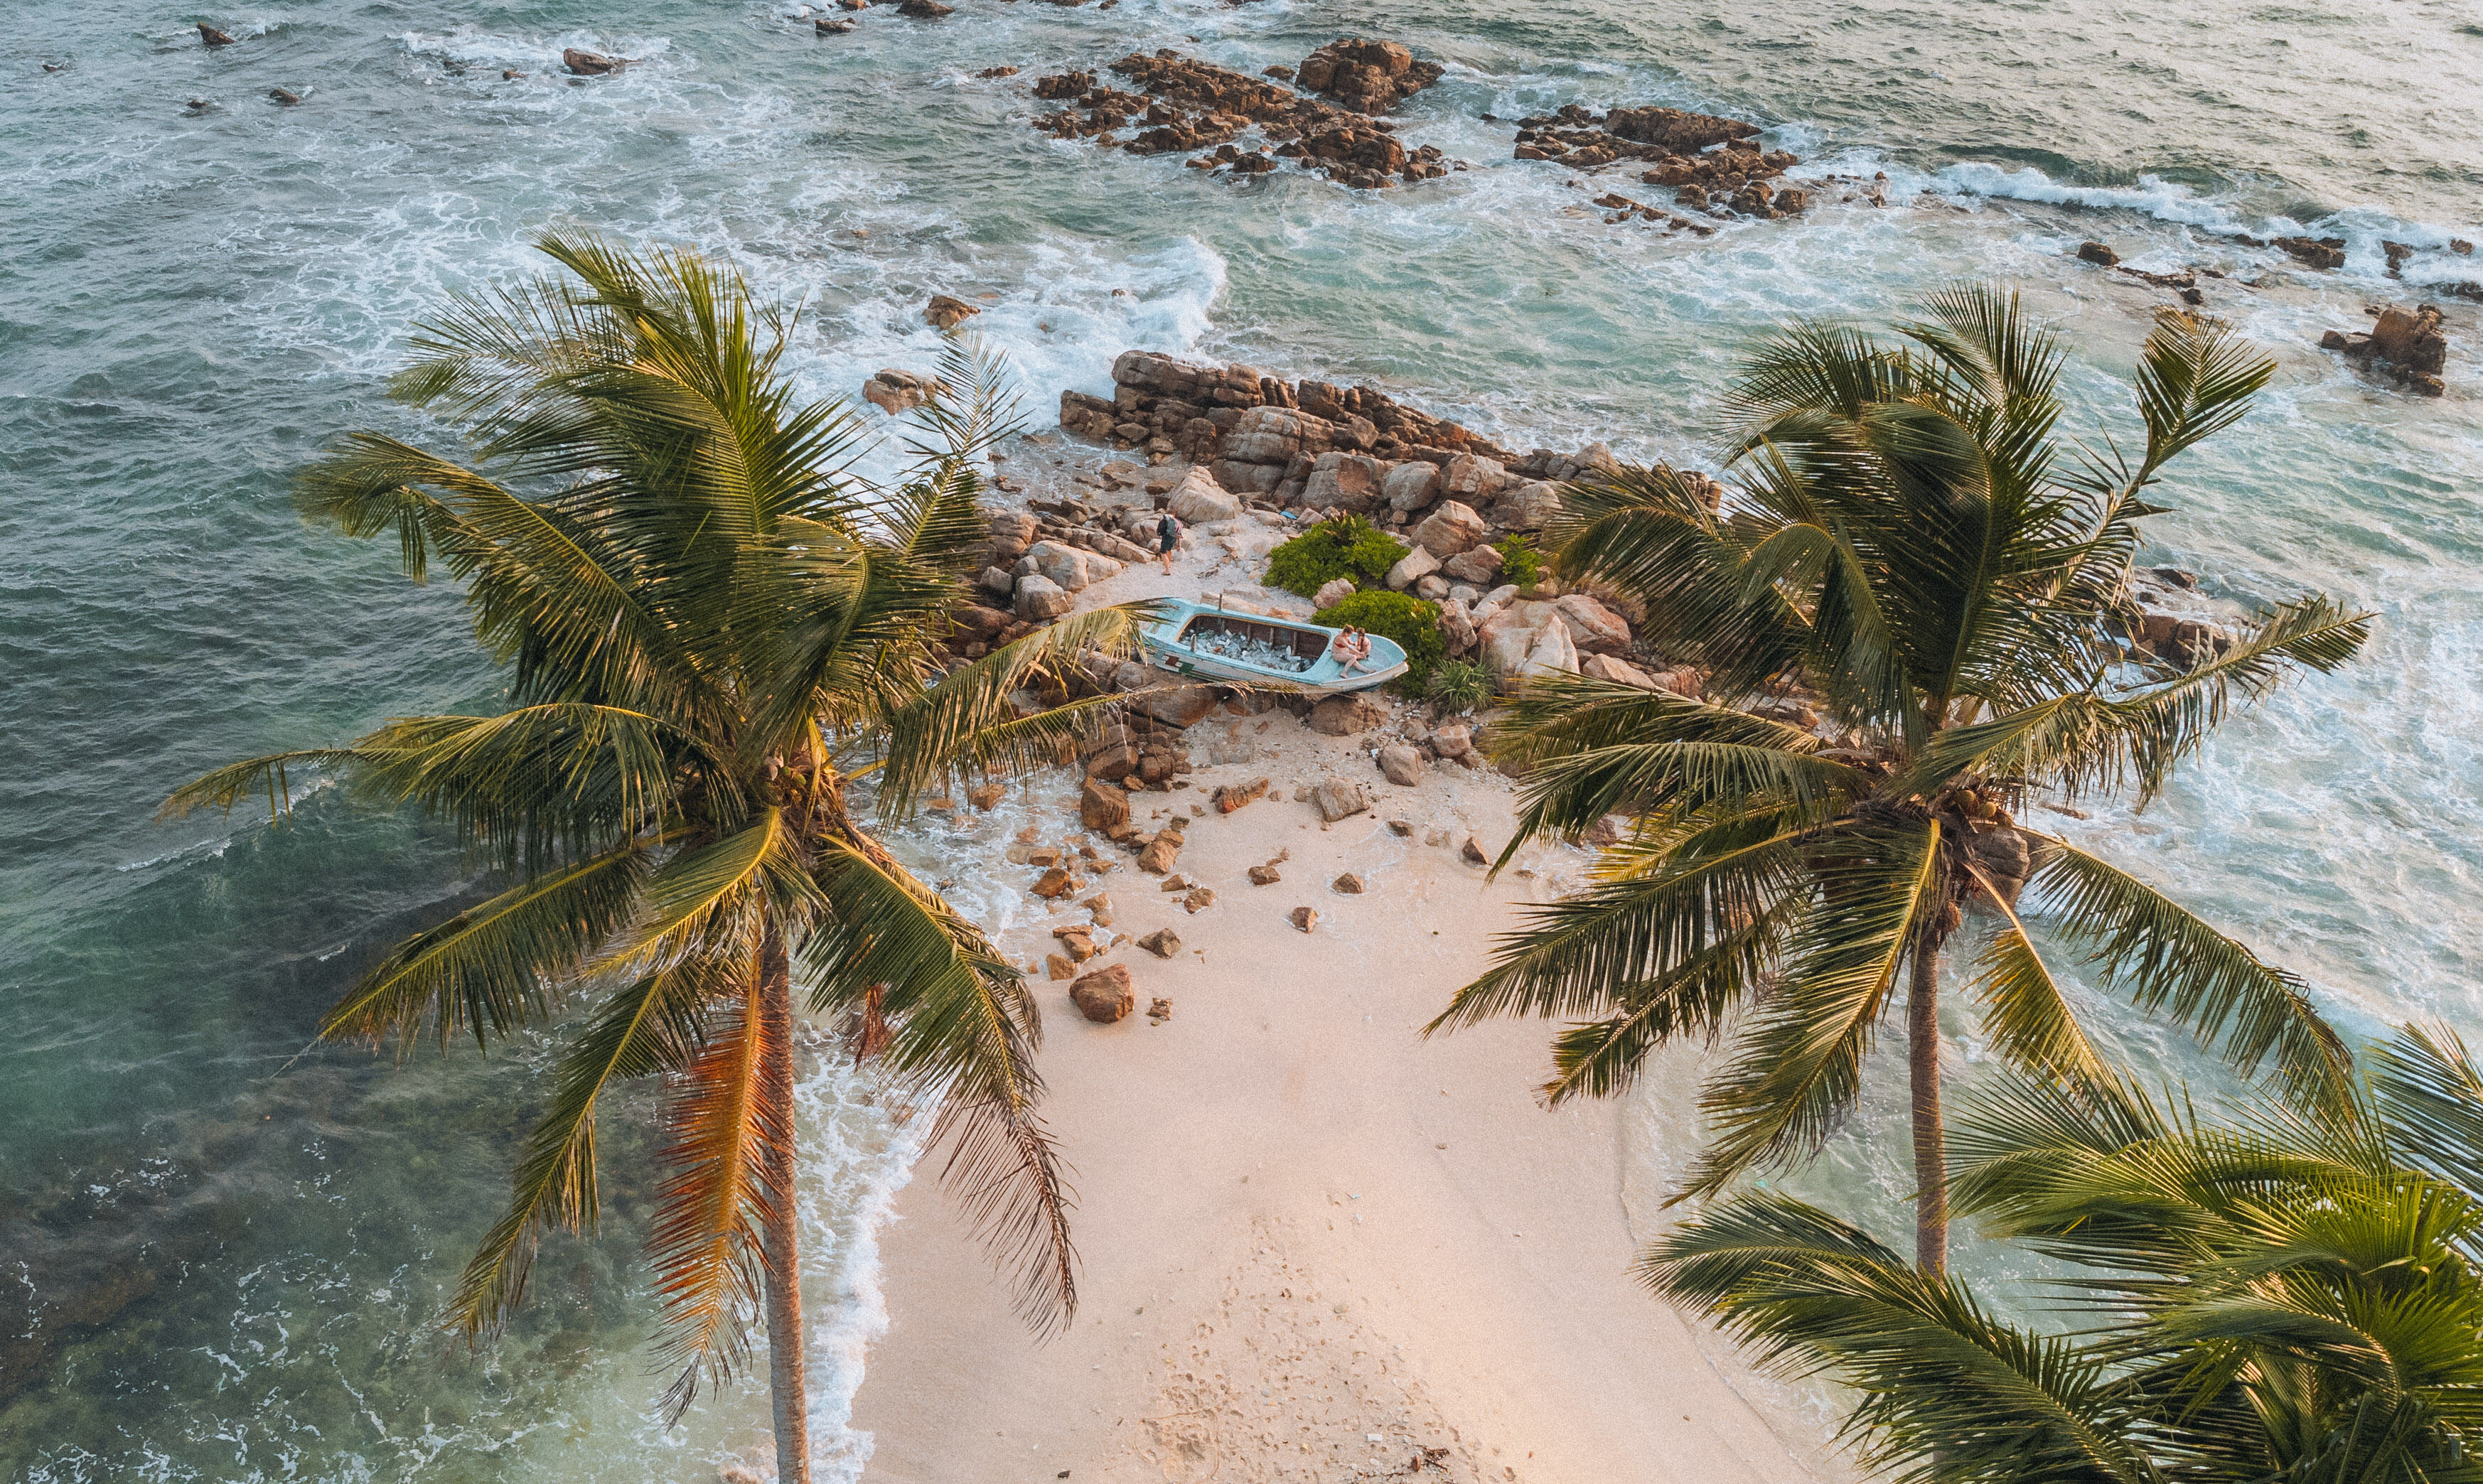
pixel 2298 1299
pixel 713 629
pixel 1906 539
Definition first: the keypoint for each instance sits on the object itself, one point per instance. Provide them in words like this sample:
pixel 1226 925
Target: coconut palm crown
pixel 2295 1299
pixel 712 628
pixel 1907 540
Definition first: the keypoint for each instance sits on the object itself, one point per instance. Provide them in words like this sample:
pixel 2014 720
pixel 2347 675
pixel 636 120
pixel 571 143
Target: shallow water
pixel 224 1254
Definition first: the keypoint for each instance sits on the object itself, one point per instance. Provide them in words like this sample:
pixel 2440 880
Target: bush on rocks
pixel 1414 624
pixel 1520 561
pixel 1349 547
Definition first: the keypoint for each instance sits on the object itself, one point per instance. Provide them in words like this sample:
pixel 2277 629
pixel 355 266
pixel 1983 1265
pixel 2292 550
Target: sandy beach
pixel 1314 1245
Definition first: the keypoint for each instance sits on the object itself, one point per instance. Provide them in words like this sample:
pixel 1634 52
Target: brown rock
pixel 1100 906
pixel 1158 855
pixel 1401 765
pixel 1349 883
pixel 987 796
pixel 1450 528
pixel 1593 628
pixel 1229 797
pixel 1474 853
pixel 1105 995
pixel 1059 966
pixel 1403 829
pixel 1338 799
pixel 1180 705
pixel 1452 739
pixel 1603 667
pixel 1199 899
pixel 943 312
pixel 1265 875
pixel 1101 806
pixel 2099 254
pixel 1162 942
pixel 1056 883
pixel 212 36
pixel 1077 943
pixel 1305 918
pixel 926 10
pixel 592 64
pixel 1345 716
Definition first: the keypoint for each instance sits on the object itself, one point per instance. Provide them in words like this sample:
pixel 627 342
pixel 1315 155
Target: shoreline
pixel 1301 1225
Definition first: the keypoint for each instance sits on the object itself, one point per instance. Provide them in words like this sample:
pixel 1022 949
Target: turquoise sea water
pixel 219 1256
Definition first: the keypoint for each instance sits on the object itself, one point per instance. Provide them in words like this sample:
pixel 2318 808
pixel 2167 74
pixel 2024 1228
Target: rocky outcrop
pixel 1702 157
pixel 2325 253
pixel 592 63
pixel 213 37
pixel 1258 434
pixel 893 391
pixel 1184 104
pixel 1369 77
pixel 944 313
pixel 2409 346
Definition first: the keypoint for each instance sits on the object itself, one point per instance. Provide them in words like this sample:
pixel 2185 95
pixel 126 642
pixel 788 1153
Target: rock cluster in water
pixel 2409 346
pixel 1702 157
pixel 1184 104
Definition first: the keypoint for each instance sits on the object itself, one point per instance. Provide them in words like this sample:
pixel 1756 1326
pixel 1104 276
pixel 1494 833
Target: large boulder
pixel 1347 482
pixel 1410 486
pixel 1456 628
pixel 1593 628
pixel 1199 500
pixel 1039 598
pixel 1603 667
pixel 1334 590
pixel 1103 806
pixel 1411 568
pixel 1345 716
pixel 1529 507
pixel 1452 528
pixel 1479 566
pixel 1073 568
pixel 945 313
pixel 1105 995
pixel 1012 532
pixel 1180 705
pixel 1338 799
pixel 1276 436
pixel 1471 479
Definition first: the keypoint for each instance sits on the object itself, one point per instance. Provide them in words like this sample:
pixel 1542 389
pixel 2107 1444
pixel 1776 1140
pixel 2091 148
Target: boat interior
pixel 1305 644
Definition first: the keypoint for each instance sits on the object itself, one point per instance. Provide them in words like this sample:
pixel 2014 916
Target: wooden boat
pixel 1183 639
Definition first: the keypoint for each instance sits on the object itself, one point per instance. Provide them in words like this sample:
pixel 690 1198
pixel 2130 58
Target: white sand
pixel 1314 1244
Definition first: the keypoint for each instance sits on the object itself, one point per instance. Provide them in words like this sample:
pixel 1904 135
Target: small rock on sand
pixel 1338 799
pixel 1475 854
pixel 1159 1010
pixel 1162 942
pixel 1401 765
pixel 1199 899
pixel 1105 995
pixel 1305 918
pixel 1403 829
pixel 1265 876
pixel 1229 797
pixel 1349 883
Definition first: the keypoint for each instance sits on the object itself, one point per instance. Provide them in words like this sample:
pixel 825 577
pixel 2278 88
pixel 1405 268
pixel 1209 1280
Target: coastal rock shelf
pixel 1184 104
pixel 1252 428
pixel 1702 157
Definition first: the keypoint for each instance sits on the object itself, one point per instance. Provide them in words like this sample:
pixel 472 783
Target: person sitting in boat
pixel 1167 540
pixel 1352 648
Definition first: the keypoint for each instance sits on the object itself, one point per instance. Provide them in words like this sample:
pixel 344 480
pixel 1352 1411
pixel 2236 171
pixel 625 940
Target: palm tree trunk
pixel 787 1367
pixel 1931 1152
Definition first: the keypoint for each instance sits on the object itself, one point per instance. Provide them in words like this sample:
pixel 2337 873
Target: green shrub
pixel 1349 547
pixel 1457 685
pixel 1520 561
pixel 1413 622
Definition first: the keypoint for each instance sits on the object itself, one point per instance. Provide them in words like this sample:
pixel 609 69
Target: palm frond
pixel 963 1029
pixel 500 965
pixel 2428 1096
pixel 2169 961
pixel 650 1026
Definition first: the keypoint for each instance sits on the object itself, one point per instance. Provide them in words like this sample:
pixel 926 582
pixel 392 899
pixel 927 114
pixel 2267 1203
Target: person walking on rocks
pixel 1167 540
